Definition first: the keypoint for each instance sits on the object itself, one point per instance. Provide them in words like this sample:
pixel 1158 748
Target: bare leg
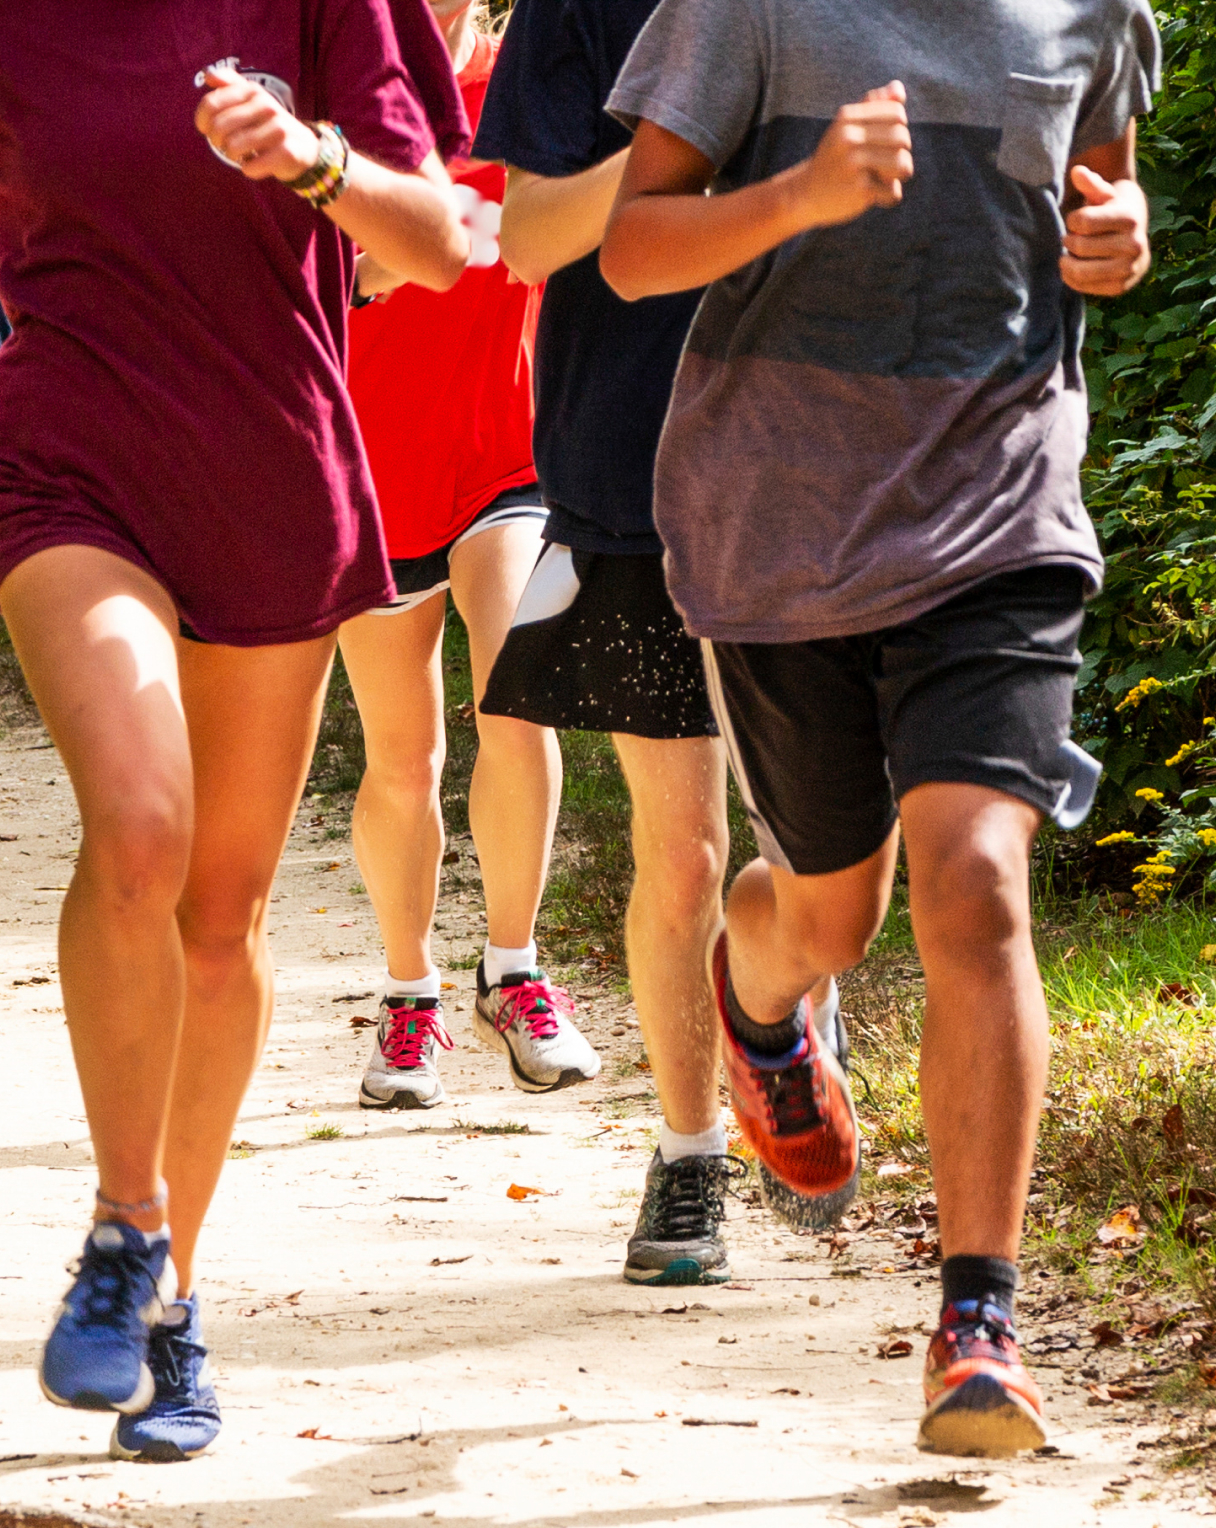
pixel 394 663
pixel 788 933
pixel 517 780
pixel 984 1050
pixel 96 638
pixel 678 789
pixel 253 715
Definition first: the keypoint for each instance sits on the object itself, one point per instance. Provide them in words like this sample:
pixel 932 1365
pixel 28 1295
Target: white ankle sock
pixel 706 1143
pixel 499 961
pixel 825 1018
pixel 424 986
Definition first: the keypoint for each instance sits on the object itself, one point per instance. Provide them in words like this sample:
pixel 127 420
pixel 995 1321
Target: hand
pixel 861 162
pixel 1106 246
pixel 246 123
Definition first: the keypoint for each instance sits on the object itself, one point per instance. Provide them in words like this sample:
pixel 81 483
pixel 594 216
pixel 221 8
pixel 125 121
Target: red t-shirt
pixel 442 382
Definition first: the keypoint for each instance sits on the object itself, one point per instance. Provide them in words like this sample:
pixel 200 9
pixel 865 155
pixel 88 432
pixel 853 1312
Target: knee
pixel 688 870
pixel 404 772
pixel 137 852
pixel 222 932
pixel 971 897
pixel 838 938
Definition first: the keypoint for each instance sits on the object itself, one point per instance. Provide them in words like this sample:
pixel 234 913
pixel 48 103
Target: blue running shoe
pixel 96 1356
pixel 184 1416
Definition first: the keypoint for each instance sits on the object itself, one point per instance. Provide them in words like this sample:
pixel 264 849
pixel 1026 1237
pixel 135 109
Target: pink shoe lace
pixel 538 1003
pixel 408 1031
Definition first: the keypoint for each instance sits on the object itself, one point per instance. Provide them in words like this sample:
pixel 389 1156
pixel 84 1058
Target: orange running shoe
pixel 981 1399
pixel 795 1111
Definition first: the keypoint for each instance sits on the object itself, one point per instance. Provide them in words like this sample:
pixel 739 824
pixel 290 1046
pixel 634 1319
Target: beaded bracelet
pixel 325 181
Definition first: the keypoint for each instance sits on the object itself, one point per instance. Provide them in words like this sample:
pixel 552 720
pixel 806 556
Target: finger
pixel 252 143
pixel 224 98
pixel 247 117
pixel 1092 221
pixel 873 111
pixel 886 164
pixel 1103 247
pixel 1092 187
pixel 894 135
pixel 222 74
pixel 1098 278
pixel 892 91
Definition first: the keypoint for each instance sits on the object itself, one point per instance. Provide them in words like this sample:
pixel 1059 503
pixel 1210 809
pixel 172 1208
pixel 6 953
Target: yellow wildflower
pixel 1115 838
pixel 1137 693
pixel 1184 752
pixel 1147 793
pixel 1208 952
pixel 1208 836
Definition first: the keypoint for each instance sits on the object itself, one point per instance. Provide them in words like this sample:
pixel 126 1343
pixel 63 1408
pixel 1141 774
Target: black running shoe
pixel 677 1241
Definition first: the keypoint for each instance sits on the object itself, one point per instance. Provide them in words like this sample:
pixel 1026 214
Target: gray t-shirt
pixel 872 417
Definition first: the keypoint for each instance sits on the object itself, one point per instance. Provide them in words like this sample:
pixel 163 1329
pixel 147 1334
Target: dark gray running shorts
pixel 826 737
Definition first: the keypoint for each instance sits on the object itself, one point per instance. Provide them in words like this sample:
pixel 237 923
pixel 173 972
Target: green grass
pixel 324 1132
pixel 504 1127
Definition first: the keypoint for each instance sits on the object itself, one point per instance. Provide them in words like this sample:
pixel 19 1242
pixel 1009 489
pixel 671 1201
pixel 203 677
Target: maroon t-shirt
pixel 173 391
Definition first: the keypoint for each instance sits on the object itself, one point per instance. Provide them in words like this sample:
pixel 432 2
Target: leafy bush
pixel 1150 477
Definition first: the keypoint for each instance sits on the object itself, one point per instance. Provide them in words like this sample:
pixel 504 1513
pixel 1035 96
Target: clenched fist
pixel 246 124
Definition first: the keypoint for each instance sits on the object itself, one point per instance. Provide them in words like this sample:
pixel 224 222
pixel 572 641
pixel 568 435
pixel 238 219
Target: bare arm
pixel 666 235
pixel 551 221
pixel 1106 248
pixel 409 222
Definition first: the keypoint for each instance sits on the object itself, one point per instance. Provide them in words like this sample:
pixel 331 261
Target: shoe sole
pixel 830 1196
pixel 91 1400
pixel 489 1036
pixel 403 1099
pixel 980 1418
pixel 814 1212
pixel 684 1271
pixel 155 1453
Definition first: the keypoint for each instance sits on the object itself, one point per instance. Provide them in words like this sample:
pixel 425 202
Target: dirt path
pixel 397 1339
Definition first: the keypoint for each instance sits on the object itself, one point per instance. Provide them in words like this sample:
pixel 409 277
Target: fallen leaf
pixel 630 1473
pixel 895 1347
pixel 447 986
pixel 1123 1229
pixel 1175 992
pixel 714 1422
pixel 727 1342
pixel 440 1262
pixel 657 1414
pixel 314 1433
pixel 293 1299
pixel 1173 1125
pixel 1106 1336
pixel 1129 1392
pixel 361 1021
pixel 1099 1395
pixel 787 1390
pixel 545 1443
pixel 894 1170
pixel 518 1191
pixel 673 1310
pixel 320 909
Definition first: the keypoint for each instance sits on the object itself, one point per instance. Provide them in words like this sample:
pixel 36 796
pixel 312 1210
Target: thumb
pixel 1092 187
pixel 893 91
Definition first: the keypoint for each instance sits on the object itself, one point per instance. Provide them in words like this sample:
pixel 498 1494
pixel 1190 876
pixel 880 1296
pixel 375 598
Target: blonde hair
pixel 490 16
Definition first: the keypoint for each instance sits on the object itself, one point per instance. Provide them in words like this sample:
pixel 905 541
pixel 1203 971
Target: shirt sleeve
pixel 364 86
pixel 1128 72
pixel 697 69
pixel 543 107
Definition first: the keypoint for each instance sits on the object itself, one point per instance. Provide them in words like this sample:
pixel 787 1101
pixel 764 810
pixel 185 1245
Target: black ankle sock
pixel 979 1278
pixel 766 1039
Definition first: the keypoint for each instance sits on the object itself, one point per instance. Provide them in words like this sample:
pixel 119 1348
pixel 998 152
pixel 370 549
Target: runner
pixel 596 643
pixel 869 495
pixel 185 520
pixel 443 389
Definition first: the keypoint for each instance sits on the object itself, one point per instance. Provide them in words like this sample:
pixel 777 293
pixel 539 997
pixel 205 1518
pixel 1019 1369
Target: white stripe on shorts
pixel 552 587
pixel 766 839
pixel 503 516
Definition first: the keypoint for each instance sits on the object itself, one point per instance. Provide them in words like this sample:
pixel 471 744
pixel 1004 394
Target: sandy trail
pixel 397 1339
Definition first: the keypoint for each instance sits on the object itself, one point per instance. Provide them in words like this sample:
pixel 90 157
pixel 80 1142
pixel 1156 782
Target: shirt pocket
pixel 1036 129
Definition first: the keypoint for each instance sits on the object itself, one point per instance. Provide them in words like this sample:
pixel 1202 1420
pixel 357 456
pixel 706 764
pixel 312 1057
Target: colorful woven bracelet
pixel 140 1207
pixel 325 181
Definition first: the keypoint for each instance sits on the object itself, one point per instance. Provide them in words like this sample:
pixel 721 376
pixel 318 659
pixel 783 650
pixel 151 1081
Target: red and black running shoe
pixel 981 1399
pixel 795 1111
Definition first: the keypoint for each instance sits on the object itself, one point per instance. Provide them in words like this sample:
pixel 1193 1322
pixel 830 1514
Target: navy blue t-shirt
pixel 604 367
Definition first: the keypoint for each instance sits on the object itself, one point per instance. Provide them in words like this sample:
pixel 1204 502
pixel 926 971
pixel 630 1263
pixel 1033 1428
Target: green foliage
pixel 1150 478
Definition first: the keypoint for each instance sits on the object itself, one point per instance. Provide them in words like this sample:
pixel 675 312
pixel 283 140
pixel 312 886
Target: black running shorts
pixel 597 645
pixel 826 737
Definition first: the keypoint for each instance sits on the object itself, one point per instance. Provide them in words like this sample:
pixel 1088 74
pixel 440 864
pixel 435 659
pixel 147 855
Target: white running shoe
pixel 403 1072
pixel 528 1018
